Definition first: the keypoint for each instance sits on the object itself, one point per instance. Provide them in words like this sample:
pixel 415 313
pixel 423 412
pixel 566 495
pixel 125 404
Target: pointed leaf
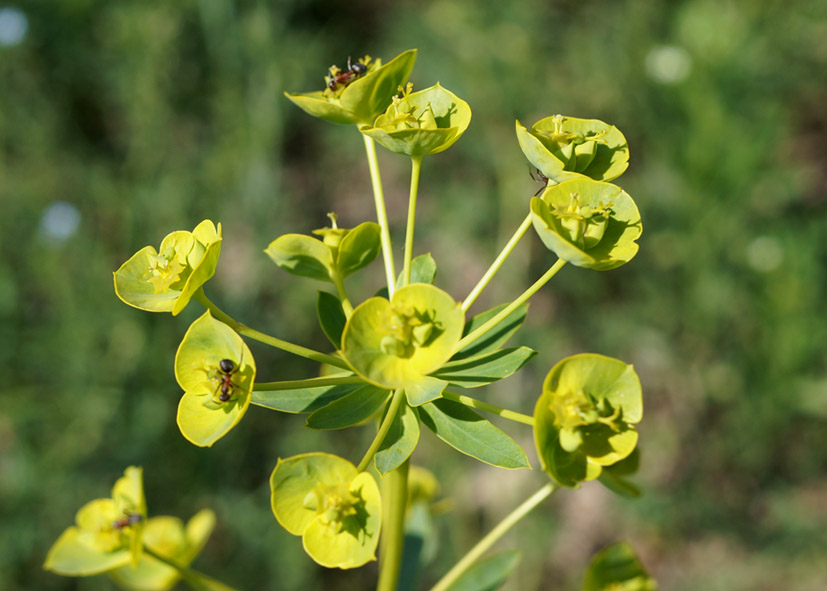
pixel 358 248
pixel 302 399
pixel 467 432
pixel 351 409
pixel 302 255
pixel 423 270
pixel 486 368
pixel 488 574
pixel 429 388
pixel 331 317
pixel 400 441
pixel 497 336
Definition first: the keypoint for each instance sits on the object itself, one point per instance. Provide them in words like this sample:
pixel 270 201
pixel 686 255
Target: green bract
pixel 107 533
pixel 584 419
pixel 214 399
pixel 166 279
pixel 564 148
pixel 397 343
pixel 340 253
pixel 421 123
pixel 588 223
pixel 617 568
pixel 336 509
pixel 358 99
pixel 170 538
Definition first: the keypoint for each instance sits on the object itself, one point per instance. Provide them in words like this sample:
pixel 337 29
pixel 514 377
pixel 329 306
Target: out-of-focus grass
pixel 144 117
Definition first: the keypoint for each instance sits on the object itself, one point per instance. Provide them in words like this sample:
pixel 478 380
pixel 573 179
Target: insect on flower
pixel 226 370
pixel 127 520
pixel 539 178
pixel 339 77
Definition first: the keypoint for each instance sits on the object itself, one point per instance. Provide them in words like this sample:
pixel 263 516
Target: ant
pixel 227 369
pixel 540 177
pixel 127 520
pixel 344 77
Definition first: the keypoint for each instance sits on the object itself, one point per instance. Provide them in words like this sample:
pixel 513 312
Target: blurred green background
pixel 121 121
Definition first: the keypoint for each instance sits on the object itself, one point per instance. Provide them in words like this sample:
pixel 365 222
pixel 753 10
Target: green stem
pixel 498 262
pixel 332 380
pixel 416 166
pixel 394 500
pixel 398 397
pixel 265 338
pixel 340 289
pixel 381 214
pixel 473 336
pixel 495 534
pixel 480 405
pixel 194 578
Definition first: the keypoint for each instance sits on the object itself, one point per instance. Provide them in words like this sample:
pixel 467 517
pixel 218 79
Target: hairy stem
pixel 416 166
pixel 194 578
pixel 495 534
pixel 398 397
pixel 525 296
pixel 498 262
pixel 265 338
pixel 381 214
pixel 480 405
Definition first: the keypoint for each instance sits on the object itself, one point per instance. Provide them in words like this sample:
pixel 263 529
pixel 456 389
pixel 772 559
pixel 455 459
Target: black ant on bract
pixel 227 369
pixel 540 177
pixel 339 77
pixel 127 520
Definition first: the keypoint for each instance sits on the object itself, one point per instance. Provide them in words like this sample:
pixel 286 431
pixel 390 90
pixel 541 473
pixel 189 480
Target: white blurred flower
pixel 59 221
pixel 13 26
pixel 668 64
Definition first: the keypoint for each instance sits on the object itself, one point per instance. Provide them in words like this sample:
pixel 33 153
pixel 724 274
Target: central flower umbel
pixel 165 269
pixel 397 343
pixel 585 224
pixel 332 503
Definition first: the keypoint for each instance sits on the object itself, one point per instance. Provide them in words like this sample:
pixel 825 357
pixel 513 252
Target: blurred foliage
pixel 123 120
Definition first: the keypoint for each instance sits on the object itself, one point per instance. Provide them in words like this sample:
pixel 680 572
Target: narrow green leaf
pixel 497 336
pixel 486 368
pixel 349 410
pixel 358 248
pixel 331 317
pixel 302 399
pixel 400 441
pixel 467 432
pixel 424 391
pixel 488 574
pixel 423 270
pixel 618 567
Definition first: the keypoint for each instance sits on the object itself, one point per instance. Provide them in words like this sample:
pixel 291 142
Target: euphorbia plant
pixel 407 357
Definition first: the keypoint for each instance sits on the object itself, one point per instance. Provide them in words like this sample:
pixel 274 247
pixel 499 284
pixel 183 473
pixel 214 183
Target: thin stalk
pixel 265 338
pixel 340 289
pixel 398 396
pixel 196 579
pixel 498 262
pixel 394 499
pixel 332 380
pixel 495 534
pixel 473 336
pixel 480 405
pixel 416 166
pixel 381 214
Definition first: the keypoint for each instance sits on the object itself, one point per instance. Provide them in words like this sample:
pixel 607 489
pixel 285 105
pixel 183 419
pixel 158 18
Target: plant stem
pixel 381 214
pixel 394 500
pixel 479 404
pixel 398 397
pixel 265 338
pixel 332 380
pixel 196 579
pixel 495 534
pixel 498 262
pixel 416 166
pixel 340 289
pixel 473 336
